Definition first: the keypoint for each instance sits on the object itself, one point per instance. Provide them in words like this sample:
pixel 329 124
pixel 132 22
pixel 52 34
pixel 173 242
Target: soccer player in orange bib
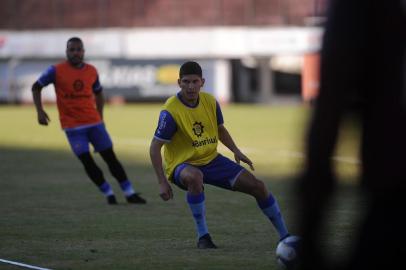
pixel 80 104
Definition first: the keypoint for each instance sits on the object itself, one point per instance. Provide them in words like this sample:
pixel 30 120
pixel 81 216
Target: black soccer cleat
pixel 111 199
pixel 135 198
pixel 205 242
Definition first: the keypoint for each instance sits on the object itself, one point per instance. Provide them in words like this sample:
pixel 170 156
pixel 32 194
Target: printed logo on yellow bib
pixel 198 129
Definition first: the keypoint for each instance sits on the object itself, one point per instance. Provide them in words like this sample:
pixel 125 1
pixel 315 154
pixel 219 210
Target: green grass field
pixel 52 216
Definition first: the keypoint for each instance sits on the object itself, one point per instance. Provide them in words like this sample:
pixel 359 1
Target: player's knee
pixel 86 159
pixel 260 185
pixel 109 156
pixel 192 179
pixel 259 189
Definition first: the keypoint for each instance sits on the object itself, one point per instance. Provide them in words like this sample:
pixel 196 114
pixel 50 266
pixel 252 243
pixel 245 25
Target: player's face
pixel 75 53
pixel 190 86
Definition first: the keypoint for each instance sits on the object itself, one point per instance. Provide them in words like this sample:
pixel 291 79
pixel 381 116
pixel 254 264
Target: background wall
pixel 251 50
pixel 56 14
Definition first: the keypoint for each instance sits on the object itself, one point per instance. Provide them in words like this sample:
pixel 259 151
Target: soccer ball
pixel 286 251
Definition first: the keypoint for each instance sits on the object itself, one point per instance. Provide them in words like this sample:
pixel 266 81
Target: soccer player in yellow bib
pixel 189 128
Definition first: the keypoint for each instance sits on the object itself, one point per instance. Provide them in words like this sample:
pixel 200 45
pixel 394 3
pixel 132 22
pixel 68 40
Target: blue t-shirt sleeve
pixel 47 77
pixel 97 86
pixel 166 126
pixel 219 114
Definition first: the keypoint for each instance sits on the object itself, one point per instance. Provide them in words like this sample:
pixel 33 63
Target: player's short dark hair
pixel 73 39
pixel 189 68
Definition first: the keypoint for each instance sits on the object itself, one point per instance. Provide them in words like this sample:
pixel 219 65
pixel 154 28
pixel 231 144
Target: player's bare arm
pixel 99 103
pixel 227 140
pixel 42 116
pixel 165 190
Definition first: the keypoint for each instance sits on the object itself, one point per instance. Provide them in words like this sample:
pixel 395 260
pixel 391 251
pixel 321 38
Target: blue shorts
pixel 80 138
pixel 221 172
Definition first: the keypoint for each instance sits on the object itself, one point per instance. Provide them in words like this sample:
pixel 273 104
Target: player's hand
pixel 43 118
pixel 239 156
pixel 165 191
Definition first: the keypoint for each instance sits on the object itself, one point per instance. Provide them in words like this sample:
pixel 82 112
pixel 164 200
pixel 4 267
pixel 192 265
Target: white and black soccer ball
pixel 286 251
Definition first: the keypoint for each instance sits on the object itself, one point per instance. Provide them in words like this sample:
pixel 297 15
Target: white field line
pixel 284 153
pixel 132 142
pixel 247 150
pixel 23 265
pixel 342 159
pixel 349 160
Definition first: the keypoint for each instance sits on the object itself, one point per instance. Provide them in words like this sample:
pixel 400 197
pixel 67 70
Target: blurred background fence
pixel 251 50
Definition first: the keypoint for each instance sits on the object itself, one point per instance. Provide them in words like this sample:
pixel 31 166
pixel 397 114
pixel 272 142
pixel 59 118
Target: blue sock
pixel 127 188
pixel 271 209
pixel 106 189
pixel 196 204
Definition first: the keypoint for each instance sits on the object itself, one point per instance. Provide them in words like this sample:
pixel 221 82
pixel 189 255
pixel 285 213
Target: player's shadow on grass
pixel 52 212
pixel 26 173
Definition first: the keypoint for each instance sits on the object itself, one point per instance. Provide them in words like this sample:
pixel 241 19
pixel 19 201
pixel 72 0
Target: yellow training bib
pixel 196 138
